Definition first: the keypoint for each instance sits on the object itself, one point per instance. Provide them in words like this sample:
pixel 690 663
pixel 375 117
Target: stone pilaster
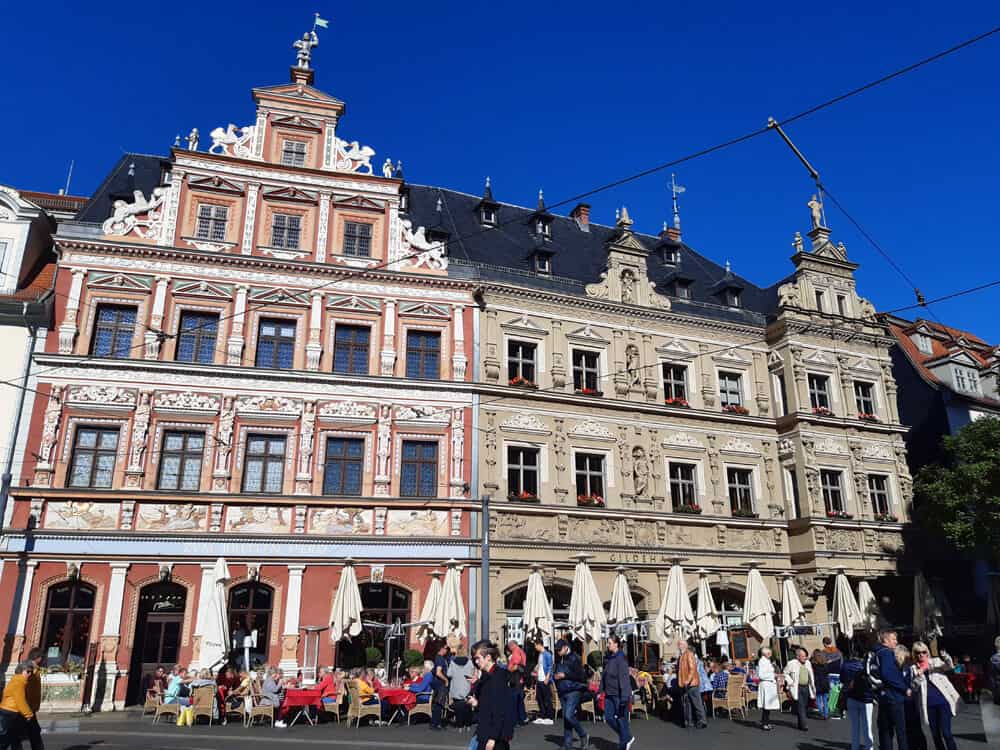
pixel 234 346
pixel 68 329
pixel 458 359
pixel 290 633
pixel 18 637
pixel 110 639
pixel 153 336
pixel 250 220
pixel 491 362
pixel 314 346
pixel 387 357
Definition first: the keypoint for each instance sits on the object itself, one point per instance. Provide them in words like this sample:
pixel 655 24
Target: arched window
pixel 383 603
pixel 69 612
pixel 250 609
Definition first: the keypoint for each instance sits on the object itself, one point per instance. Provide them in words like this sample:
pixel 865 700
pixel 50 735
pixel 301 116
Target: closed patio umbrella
pixel 586 612
pixel 537 610
pixel 926 610
pixel 449 615
pixel 993 599
pixel 792 611
pixel 758 609
pixel 871 616
pixel 846 612
pixel 345 618
pixel 675 618
pixel 706 622
pixel 215 636
pixel 426 629
pixel 622 607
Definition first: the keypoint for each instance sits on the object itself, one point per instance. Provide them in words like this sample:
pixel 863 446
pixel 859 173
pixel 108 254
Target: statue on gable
pixel 387 168
pixel 124 217
pixel 816 211
pixel 429 254
pixel 305 47
pixel 628 287
pixel 231 142
pixel 353 157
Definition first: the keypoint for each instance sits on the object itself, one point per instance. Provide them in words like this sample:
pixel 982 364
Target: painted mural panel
pixel 417 523
pixel 258 519
pixel 171 517
pixel 81 514
pixel 341 521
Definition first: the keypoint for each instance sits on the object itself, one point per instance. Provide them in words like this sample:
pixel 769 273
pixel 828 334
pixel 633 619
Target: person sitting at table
pixel 154 684
pixel 273 692
pixel 178 689
pixel 412 675
pixel 236 697
pixel 424 684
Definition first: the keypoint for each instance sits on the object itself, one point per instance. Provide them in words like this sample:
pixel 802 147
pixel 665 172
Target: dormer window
pixel 966 379
pixel 923 343
pixel 543 228
pixel 488 216
pixel 543 264
pixel 671 256
pixel 732 297
pixel 293 153
pixel 682 289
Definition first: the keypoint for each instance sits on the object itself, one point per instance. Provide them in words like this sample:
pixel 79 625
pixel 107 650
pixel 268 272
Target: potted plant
pixel 839 514
pixel 822 411
pixel 886 517
pixel 518 381
pixel 865 417
pixel 677 401
pixel 590 501
pixel 372 656
pixel 693 509
pixel 743 513
pixel 523 497
pixel 589 392
pixel 735 409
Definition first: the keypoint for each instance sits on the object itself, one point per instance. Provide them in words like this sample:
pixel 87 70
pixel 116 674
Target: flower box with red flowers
pixel 523 497
pixel 886 517
pixel 693 510
pixel 589 392
pixel 682 402
pixel 590 501
pixel 743 513
pixel 735 409
pixel 842 514
pixel 521 382
pixel 822 411
pixel 868 417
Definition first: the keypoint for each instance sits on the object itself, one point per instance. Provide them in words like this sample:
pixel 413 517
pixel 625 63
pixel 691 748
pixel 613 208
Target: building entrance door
pixel 159 630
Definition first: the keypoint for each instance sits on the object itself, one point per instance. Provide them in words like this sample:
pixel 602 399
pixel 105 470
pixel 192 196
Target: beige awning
pixel 345 618
pixel 586 612
pixel 449 615
pixel 426 629
pixel 675 618
pixel 758 609
pixel 792 611
pixel 846 612
pixel 706 622
pixel 622 607
pixel 537 608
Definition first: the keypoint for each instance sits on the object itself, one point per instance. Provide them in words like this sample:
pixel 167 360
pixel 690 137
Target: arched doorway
pixel 382 603
pixel 250 611
pixel 513 612
pixel 159 631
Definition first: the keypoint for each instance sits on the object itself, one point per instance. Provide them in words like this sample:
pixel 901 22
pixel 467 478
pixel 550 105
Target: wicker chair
pixel 638 706
pixel 531 702
pixel 332 708
pixel 733 699
pixel 203 703
pixel 231 708
pixel 421 709
pixel 153 699
pixel 167 709
pixel 258 708
pixel 588 707
pixel 358 710
pixel 556 705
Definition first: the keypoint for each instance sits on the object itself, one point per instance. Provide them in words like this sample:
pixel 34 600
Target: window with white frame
pixel 265 464
pixel 522 472
pixel 93 460
pixel 864 397
pixel 180 460
pixel 730 389
pixel 212 222
pixel 683 487
pixel 682 289
pixel 286 231
pixel 589 477
pixel 674 382
pixel 923 343
pixel 820 301
pixel 878 491
pixel 819 392
pixel 966 379
pixel 842 304
pixel 293 153
pixel 733 297
pixel 781 395
pixel 521 362
pixel 418 469
pixel 586 370
pixel 740 482
pixel 833 493
pixel 357 239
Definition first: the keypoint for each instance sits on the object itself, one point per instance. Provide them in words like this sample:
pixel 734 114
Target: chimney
pixel 670 233
pixel 581 215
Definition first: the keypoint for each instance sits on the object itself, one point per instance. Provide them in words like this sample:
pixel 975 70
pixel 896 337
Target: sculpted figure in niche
pixel 632 364
pixel 640 472
pixel 628 287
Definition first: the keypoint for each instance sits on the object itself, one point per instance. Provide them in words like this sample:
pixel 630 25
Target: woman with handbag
pixel 767 689
pixel 934 695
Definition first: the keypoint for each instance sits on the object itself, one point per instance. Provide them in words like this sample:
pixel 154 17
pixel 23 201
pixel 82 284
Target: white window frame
pixel 755 494
pixel 304 152
pixel 543 460
pixel 744 396
pixel 699 484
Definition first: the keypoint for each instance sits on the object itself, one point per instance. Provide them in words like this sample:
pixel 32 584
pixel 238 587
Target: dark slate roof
pixel 503 253
pixel 147 174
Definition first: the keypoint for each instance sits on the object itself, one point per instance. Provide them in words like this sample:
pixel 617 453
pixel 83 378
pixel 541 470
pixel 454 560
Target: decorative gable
pixel 524 326
pixel 675 350
pixel 120 282
pixel 593 430
pixel 354 303
pixel 297 122
pixel 203 289
pixel 291 194
pixel 278 295
pixel 731 357
pixel 525 423
pixel 358 201
pixel 625 278
pixel 425 310
pixel 586 335
pixel 215 184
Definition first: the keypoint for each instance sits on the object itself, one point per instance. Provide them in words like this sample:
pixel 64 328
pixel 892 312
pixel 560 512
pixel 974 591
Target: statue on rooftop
pixel 305 47
pixel 816 209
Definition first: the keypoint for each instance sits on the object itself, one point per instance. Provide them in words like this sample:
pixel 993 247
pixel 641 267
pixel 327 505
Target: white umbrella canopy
pixel 345 618
pixel 449 615
pixel 675 618
pixel 586 612
pixel 846 612
pixel 537 609
pixel 871 616
pixel 926 611
pixel 215 636
pixel 622 607
pixel 426 630
pixel 758 609
pixel 706 623
pixel 792 611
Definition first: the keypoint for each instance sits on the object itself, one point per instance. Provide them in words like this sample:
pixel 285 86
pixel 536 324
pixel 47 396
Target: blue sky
pixel 566 97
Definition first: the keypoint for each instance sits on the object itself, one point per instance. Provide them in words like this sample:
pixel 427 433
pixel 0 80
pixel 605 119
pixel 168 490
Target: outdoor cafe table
pixel 401 698
pixel 302 699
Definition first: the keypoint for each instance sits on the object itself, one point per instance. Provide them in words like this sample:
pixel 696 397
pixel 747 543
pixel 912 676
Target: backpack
pixel 873 672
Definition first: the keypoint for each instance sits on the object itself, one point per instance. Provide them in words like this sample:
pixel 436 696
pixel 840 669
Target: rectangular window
pixel 293 153
pixel 793 484
pixel 418 472
pixel 842 304
pixel 589 476
pixel 966 380
pixel 730 389
pixel 212 222
pixel 740 491
pixel 265 464
pixel 833 495
pixel 286 230
pixel 423 355
pixel 93 461
pixel 196 337
pixel 674 382
pixel 732 297
pixel 782 394
pixel 864 397
pixel 522 472
pixel 683 490
pixel 682 289
pixel 114 328
pixel 878 490
pixel 819 391
pixel 357 239
pixel 180 461
pixel 819 301
pixel 585 370
pixel 543 264
pixel 276 344
pixel 350 349
pixel 521 362
pixel 343 470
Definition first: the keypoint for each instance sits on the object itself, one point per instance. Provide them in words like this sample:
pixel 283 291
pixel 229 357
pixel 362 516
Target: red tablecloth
pixel 398 697
pixel 300 698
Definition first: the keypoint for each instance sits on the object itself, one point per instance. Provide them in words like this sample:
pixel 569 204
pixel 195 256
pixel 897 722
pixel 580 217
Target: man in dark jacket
pixel 891 699
pixel 571 683
pixel 495 698
pixel 617 692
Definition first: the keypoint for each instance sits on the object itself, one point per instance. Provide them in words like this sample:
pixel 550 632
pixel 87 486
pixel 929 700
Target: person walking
pixel 14 709
pixel 460 674
pixel 834 656
pixel 767 690
pixel 617 691
pixel 995 671
pixel 801 684
pixel 517 662
pixel 33 694
pixel 439 685
pixel 494 697
pixel 915 738
pixel 892 695
pixel 857 687
pixel 935 697
pixel 570 684
pixel 543 684
pixel 689 684
pixel 822 676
